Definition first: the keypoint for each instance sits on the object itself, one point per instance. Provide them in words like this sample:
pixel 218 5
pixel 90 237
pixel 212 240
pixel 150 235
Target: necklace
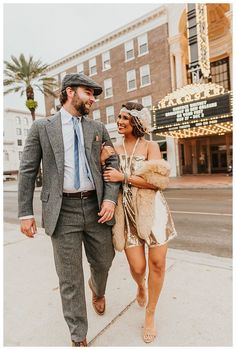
pixel 129 163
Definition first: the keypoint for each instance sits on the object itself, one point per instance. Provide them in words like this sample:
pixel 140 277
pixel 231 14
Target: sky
pixel 52 31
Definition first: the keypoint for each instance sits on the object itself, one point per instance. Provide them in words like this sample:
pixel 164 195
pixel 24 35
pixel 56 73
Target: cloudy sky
pixel 51 31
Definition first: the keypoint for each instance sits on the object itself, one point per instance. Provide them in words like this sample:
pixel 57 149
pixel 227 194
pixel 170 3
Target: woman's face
pixel 123 123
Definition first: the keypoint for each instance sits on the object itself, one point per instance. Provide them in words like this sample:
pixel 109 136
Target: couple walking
pixel 101 195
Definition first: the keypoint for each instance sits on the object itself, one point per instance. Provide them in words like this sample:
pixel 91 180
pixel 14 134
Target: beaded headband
pixel 141 118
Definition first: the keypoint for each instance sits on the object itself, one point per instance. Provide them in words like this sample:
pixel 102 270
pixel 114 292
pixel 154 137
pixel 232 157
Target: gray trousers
pixel 77 223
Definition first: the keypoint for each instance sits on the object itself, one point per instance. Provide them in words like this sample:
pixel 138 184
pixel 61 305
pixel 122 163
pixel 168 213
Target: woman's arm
pixel 113 175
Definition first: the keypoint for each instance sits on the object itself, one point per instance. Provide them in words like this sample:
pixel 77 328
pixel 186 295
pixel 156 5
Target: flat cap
pixel 79 79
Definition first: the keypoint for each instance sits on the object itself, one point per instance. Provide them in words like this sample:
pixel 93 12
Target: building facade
pixel 204 145
pixel 16 125
pixel 145 61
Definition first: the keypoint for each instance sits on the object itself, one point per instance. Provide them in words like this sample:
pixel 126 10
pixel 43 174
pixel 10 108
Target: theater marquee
pixel 211 115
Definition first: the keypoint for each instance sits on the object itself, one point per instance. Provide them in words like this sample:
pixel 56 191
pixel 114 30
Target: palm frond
pixel 22 72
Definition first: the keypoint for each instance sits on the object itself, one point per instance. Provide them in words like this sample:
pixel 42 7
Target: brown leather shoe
pixel 80 343
pixel 99 303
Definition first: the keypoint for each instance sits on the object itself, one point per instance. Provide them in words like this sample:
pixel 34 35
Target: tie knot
pixel 75 122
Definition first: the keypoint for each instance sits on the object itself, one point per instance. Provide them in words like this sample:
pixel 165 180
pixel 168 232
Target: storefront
pixel 200 117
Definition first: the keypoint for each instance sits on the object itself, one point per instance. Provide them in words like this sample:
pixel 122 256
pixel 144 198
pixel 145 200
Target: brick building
pixel 146 60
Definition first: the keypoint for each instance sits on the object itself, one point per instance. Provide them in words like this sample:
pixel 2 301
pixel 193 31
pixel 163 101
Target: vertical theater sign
pixel 199 115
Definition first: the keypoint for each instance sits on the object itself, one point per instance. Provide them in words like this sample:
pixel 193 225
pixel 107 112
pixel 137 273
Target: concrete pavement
pixel 195 308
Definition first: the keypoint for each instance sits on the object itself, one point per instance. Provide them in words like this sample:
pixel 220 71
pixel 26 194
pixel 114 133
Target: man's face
pixel 82 99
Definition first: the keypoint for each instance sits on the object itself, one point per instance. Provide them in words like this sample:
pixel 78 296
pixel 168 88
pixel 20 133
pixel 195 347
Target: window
pixel 145 75
pixel 129 50
pixel 142 44
pixel 110 114
pixel 147 102
pixel 108 88
pixel 18 120
pixel 26 132
pixel 26 121
pixel 20 155
pixel 80 68
pixel 131 80
pixel 92 66
pixel 19 142
pixel 6 156
pixel 96 114
pixel 18 131
pixel 106 62
pixel 220 73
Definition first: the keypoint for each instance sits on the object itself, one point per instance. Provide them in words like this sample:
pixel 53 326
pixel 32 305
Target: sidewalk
pixel 180 182
pixel 195 308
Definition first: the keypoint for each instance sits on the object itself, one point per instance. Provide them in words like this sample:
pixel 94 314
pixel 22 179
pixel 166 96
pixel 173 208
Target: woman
pixel 142 173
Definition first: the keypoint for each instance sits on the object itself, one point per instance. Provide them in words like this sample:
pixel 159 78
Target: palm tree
pixel 23 75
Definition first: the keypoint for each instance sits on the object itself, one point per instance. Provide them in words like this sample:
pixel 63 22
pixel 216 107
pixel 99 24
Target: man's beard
pixel 80 107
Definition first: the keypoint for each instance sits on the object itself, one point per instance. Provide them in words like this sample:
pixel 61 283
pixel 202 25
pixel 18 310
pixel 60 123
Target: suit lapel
pixel 88 132
pixel 54 131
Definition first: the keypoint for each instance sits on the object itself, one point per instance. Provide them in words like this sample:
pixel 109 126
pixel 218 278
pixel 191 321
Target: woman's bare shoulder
pixel 152 144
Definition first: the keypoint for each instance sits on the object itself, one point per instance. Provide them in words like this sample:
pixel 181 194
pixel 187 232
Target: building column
pixel 173 155
pixel 228 143
pixel 179 69
pixel 194 156
pixel 176 58
pixel 208 144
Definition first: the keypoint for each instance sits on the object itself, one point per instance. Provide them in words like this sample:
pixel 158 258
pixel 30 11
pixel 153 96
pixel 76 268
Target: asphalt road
pixel 203 218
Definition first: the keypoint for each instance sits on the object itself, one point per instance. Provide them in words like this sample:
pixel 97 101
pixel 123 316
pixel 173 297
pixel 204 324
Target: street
pixel 203 218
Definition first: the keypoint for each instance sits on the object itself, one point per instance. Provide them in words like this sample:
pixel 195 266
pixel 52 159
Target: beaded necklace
pixel 128 164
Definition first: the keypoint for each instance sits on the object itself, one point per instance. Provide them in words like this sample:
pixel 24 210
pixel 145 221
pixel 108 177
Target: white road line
pixel 190 199
pixel 198 213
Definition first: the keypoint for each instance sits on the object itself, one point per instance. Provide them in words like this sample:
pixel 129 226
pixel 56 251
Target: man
pixel 77 206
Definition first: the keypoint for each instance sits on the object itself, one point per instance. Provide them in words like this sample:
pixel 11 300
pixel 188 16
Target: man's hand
pixel 107 211
pixel 28 227
pixel 106 152
pixel 113 175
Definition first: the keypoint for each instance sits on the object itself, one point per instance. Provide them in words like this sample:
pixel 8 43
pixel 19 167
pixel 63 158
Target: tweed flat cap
pixel 75 79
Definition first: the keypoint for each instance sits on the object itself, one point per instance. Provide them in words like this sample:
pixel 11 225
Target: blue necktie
pixel 76 152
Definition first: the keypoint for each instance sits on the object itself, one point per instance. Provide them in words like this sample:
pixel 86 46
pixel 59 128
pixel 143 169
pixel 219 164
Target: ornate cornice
pixel 110 37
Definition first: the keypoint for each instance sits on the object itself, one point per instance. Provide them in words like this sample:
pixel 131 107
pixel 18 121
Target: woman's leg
pixel 156 263
pixel 137 263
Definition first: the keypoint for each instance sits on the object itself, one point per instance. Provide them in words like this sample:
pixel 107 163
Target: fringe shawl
pixel 155 172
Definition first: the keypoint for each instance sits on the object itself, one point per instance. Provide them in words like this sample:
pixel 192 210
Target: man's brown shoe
pixel 79 343
pixel 99 303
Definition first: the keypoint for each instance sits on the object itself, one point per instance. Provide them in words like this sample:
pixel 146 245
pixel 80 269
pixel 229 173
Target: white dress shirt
pixel 86 184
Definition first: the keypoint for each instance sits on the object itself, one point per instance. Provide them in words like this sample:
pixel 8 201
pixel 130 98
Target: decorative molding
pixel 110 37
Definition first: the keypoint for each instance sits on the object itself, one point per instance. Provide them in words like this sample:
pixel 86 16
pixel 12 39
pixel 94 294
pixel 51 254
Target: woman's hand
pixel 113 175
pixel 106 152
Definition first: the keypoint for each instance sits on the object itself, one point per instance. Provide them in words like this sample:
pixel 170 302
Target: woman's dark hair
pixel 63 95
pixel 138 130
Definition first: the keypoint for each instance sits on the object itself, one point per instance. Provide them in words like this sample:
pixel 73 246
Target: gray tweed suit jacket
pixel 45 142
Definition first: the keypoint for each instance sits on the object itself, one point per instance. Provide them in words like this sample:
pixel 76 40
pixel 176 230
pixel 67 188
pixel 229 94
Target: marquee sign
pixel 204 112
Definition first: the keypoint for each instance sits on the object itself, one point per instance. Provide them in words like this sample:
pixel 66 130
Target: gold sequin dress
pixel 159 235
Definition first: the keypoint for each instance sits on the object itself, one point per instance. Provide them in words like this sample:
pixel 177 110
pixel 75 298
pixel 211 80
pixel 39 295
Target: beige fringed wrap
pixel 155 172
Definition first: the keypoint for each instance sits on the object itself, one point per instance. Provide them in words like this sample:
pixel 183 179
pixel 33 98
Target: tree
pixel 23 75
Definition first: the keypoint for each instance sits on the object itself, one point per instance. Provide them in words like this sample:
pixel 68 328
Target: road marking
pixel 190 199
pixel 198 213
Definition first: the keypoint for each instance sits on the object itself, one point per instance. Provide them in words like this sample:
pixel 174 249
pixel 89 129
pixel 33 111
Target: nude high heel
pixel 149 334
